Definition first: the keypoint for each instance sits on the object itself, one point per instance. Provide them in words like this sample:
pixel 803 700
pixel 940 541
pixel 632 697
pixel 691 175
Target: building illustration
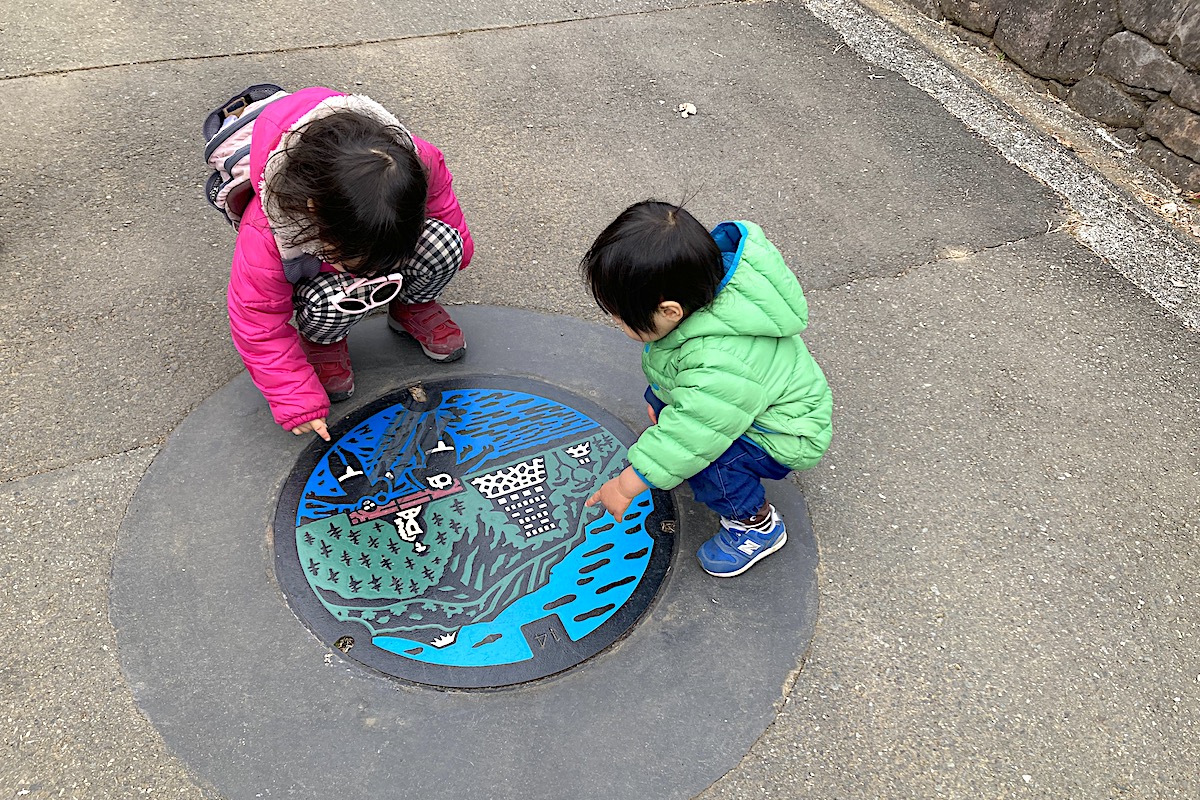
pixel 520 492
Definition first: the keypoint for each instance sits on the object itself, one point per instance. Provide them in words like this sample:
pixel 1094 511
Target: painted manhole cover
pixel 442 538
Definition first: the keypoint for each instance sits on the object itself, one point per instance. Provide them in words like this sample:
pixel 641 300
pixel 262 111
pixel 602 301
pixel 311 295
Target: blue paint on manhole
pixel 442 538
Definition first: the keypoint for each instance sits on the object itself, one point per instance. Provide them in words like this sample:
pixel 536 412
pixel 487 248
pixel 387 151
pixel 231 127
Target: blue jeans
pixel 732 485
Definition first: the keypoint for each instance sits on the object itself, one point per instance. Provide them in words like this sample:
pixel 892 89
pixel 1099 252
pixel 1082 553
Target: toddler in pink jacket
pixel 351 212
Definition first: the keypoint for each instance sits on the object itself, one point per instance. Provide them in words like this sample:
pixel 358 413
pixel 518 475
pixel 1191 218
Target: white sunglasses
pixel 385 288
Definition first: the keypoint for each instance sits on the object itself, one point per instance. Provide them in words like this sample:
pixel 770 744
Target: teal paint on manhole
pixel 443 539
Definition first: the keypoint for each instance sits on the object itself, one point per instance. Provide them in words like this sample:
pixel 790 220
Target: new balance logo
pixel 749 547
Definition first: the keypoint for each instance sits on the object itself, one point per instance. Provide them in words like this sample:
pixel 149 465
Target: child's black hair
pixel 651 253
pixel 356 186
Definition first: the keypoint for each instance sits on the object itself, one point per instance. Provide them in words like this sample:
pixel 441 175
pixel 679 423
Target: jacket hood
pixel 752 300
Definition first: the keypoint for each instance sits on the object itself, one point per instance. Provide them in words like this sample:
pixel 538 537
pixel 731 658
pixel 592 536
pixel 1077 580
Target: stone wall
pixel 1133 65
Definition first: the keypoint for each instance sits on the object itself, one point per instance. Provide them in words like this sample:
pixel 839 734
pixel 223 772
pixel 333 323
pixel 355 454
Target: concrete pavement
pixel 1008 514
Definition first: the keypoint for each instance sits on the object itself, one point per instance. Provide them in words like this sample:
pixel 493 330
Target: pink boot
pixel 431 326
pixel 332 364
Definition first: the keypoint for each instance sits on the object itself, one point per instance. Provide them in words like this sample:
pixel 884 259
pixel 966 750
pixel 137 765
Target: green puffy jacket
pixel 736 367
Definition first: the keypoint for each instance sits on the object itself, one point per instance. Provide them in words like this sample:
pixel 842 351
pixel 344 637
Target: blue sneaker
pixel 737 548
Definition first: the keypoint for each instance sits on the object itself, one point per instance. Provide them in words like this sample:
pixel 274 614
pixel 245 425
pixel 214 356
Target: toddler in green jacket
pixel 734 394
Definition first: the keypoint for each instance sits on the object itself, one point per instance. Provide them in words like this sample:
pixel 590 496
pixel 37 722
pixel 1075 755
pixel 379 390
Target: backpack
pixel 227 131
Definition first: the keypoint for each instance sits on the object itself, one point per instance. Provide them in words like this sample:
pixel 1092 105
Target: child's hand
pixel 653 416
pixel 617 494
pixel 611 498
pixel 316 426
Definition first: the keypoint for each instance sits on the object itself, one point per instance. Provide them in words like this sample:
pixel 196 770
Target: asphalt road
pixel 1008 515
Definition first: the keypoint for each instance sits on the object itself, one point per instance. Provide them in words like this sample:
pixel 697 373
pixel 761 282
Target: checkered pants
pixel 438 256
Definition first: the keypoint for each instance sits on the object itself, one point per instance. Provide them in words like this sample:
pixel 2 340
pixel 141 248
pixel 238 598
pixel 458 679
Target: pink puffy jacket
pixel 260 297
